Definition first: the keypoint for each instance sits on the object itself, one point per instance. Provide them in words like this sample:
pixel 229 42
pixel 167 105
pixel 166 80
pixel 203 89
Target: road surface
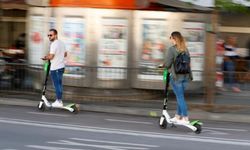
pixel 25 128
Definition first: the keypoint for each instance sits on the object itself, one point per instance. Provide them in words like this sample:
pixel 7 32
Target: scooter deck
pixel 190 125
pixel 64 106
pixel 70 107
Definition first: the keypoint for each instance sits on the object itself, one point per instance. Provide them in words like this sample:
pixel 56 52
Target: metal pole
pixel 210 60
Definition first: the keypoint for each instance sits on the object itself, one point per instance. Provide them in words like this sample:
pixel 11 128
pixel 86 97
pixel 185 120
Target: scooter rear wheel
pixel 76 109
pixel 198 128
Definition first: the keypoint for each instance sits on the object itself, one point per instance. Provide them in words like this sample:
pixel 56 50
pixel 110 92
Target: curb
pixel 147 112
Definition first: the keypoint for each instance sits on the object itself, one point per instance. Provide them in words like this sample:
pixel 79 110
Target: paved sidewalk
pixel 144 109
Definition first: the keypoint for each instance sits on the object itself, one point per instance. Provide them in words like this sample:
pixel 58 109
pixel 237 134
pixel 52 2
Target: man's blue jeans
pixel 56 76
pixel 179 88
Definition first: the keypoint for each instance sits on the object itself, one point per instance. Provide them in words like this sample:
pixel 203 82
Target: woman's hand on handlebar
pixel 161 66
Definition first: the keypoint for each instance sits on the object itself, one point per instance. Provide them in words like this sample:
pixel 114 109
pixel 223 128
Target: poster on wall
pixel 194 33
pixel 152 51
pixel 75 39
pixel 197 75
pixel 112 50
pixel 52 22
pixel 36 40
pixel 197 63
pixel 196 48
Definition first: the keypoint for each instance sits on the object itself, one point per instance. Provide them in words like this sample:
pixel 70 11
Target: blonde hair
pixel 180 41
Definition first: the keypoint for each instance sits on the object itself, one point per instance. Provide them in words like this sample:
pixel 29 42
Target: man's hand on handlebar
pixel 44 58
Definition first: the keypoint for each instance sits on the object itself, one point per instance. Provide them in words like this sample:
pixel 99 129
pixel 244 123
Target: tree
pixel 231 6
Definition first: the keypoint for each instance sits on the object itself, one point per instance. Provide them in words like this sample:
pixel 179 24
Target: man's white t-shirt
pixel 57 48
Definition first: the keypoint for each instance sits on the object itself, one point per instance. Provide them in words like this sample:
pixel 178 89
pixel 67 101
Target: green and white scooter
pixel 164 121
pixel 44 103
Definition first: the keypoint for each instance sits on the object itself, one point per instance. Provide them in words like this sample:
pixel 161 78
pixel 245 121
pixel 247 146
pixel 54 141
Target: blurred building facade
pixel 117 44
pixel 13 14
pixel 116 36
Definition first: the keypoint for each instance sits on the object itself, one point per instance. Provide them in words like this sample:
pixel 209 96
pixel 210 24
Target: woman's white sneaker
pixel 184 122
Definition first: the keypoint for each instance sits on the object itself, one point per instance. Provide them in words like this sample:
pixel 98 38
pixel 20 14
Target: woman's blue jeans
pixel 179 87
pixel 56 76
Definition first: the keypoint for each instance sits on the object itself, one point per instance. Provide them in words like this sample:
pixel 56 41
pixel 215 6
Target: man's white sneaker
pixel 57 103
pixel 174 120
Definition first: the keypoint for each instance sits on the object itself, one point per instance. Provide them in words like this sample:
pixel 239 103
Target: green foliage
pixel 230 6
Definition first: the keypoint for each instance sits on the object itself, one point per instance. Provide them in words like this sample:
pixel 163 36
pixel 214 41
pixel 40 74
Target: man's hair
pixel 53 30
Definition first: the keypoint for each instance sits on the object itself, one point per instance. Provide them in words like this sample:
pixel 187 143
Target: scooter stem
pixel 46 69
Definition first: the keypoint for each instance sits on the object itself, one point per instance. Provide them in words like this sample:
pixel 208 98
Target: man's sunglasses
pixel 49 35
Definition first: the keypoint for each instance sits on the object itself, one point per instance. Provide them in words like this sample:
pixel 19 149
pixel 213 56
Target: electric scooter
pixel 164 121
pixel 44 103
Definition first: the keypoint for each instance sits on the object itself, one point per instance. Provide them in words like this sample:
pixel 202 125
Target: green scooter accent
pixel 46 66
pixel 165 73
pixel 70 105
pixel 196 122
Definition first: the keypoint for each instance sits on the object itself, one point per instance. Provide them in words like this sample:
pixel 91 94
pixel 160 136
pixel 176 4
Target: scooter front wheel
pixel 41 106
pixel 163 122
